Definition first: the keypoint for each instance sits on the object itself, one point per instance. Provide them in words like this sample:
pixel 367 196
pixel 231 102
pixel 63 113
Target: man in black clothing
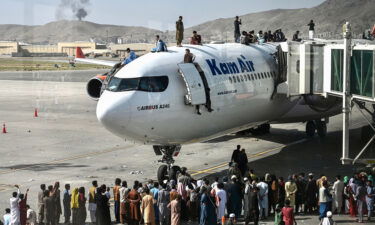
pixel 236 154
pixel 253 207
pixel 242 162
pixel 311 29
pixel 311 194
pixel 295 37
pixel 237 32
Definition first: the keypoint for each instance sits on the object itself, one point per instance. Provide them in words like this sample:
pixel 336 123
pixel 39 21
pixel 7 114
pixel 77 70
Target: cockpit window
pixel 147 84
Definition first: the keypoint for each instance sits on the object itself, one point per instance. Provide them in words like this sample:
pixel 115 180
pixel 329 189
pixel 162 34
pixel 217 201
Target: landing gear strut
pixel 169 171
pixel 318 125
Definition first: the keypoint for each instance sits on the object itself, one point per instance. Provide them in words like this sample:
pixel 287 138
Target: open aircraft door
pixel 195 87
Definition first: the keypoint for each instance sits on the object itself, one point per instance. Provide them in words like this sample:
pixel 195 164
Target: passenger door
pixel 195 87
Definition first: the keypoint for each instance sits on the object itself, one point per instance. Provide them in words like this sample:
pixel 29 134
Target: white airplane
pixel 159 100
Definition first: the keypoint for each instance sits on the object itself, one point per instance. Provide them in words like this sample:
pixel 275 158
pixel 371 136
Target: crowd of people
pixel 242 195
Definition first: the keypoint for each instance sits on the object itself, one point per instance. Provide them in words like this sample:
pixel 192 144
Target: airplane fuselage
pixel 241 81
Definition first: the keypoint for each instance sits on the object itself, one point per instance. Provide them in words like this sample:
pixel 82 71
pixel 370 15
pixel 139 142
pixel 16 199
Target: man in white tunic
pixel 14 208
pixel 338 191
pixel 222 201
pixel 263 198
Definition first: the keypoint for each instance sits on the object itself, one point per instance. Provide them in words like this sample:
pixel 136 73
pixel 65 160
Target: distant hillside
pixel 328 17
pixel 73 31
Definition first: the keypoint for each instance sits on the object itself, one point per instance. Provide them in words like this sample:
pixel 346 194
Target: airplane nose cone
pixel 113 111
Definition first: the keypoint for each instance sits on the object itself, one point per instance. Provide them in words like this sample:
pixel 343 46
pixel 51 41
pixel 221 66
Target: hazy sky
pixel 149 13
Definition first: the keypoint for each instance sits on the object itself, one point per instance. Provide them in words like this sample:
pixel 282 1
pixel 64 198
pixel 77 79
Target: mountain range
pixel 328 17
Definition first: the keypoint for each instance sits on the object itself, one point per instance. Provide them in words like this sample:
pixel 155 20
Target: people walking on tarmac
pixel 327 220
pixel 251 204
pixel 360 196
pixel 237 31
pixel 124 205
pixel 188 57
pixel 221 201
pixel 196 39
pixel 116 198
pixel 242 162
pixel 263 198
pixel 162 202
pixel 295 36
pixel 236 154
pixel 311 194
pixel 311 29
pixel 22 206
pixel 40 202
pixel 208 207
pixel 235 197
pixel 92 201
pixel 175 207
pixel 67 197
pixel 58 210
pixel 14 207
pixel 179 31
pixel 147 208
pixel 103 215
pixel 338 193
pixel 325 200
pixel 160 45
pixel 30 216
pixel 290 191
pixel 7 217
pixel 131 57
pixel 134 198
pixel 287 213
pixel 370 197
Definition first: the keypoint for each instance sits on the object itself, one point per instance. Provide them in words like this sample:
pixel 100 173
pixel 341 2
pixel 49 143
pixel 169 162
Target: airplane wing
pixel 95 61
pixel 80 57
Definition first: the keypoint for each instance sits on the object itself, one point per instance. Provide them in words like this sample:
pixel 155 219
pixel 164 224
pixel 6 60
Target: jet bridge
pixel 341 68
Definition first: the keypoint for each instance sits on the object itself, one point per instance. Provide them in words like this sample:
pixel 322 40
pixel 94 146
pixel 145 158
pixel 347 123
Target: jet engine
pixel 94 86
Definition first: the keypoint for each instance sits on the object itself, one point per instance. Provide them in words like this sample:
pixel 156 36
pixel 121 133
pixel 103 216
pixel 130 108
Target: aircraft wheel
pixel 162 173
pixel 310 128
pixel 265 128
pixel 321 127
pixel 174 172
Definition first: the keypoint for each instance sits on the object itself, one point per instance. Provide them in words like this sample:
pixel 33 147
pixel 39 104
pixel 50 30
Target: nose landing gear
pixel 168 171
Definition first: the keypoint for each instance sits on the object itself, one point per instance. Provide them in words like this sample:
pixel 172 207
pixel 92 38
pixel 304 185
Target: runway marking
pixel 65 159
pixel 210 170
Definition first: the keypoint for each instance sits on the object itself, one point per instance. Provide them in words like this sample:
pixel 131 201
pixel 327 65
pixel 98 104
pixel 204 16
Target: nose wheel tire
pixel 174 172
pixel 163 173
pixel 321 127
pixel 310 128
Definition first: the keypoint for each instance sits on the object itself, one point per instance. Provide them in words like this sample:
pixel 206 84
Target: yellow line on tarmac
pixel 63 160
pixel 210 170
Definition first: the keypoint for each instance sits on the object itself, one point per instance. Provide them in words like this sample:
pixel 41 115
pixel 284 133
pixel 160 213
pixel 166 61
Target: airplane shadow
pixel 281 136
pixel 316 155
pixel 41 166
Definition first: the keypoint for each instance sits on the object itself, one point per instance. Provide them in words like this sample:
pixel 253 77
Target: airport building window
pixel 147 84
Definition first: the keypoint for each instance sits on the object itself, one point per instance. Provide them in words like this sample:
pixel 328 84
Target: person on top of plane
pixel 196 39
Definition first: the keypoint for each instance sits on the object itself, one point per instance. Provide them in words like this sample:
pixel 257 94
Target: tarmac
pixel 66 143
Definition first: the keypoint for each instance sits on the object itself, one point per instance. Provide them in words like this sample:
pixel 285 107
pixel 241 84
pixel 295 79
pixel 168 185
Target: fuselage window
pixel 234 80
pixel 248 77
pixel 238 79
pixel 147 84
pixel 242 78
pixel 245 77
pixel 230 80
pixel 262 75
